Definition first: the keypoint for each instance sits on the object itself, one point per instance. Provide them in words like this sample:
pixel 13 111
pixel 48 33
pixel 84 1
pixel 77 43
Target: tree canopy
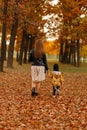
pixel 64 20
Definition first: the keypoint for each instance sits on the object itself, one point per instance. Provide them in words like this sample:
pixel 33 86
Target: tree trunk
pixel 12 42
pixel 66 53
pixel 61 53
pixel 26 49
pixel 78 53
pixel 3 42
pixel 17 56
pixel 31 41
pixel 70 54
pixel 74 56
pixel 22 46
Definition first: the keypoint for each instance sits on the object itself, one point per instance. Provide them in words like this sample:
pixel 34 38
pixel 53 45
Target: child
pixel 39 65
pixel 57 79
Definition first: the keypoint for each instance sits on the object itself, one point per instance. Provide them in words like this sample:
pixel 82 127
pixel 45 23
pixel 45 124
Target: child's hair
pixel 55 67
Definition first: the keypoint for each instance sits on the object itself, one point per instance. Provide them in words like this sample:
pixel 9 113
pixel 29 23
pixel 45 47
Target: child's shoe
pixel 54 91
pixel 58 89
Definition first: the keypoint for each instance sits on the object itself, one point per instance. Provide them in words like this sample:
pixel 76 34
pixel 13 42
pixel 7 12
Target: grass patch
pixel 63 67
pixel 70 68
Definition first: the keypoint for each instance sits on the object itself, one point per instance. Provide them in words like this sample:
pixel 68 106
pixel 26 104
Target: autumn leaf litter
pixel 20 111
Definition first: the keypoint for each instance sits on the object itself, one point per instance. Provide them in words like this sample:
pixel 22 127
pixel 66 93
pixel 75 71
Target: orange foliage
pixel 51 47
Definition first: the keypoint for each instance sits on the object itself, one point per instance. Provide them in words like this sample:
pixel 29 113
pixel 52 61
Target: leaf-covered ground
pixel 20 111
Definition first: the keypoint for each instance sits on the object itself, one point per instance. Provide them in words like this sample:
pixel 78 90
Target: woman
pixel 39 65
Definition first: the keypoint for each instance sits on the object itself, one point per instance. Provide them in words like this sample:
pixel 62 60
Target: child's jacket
pixel 57 78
